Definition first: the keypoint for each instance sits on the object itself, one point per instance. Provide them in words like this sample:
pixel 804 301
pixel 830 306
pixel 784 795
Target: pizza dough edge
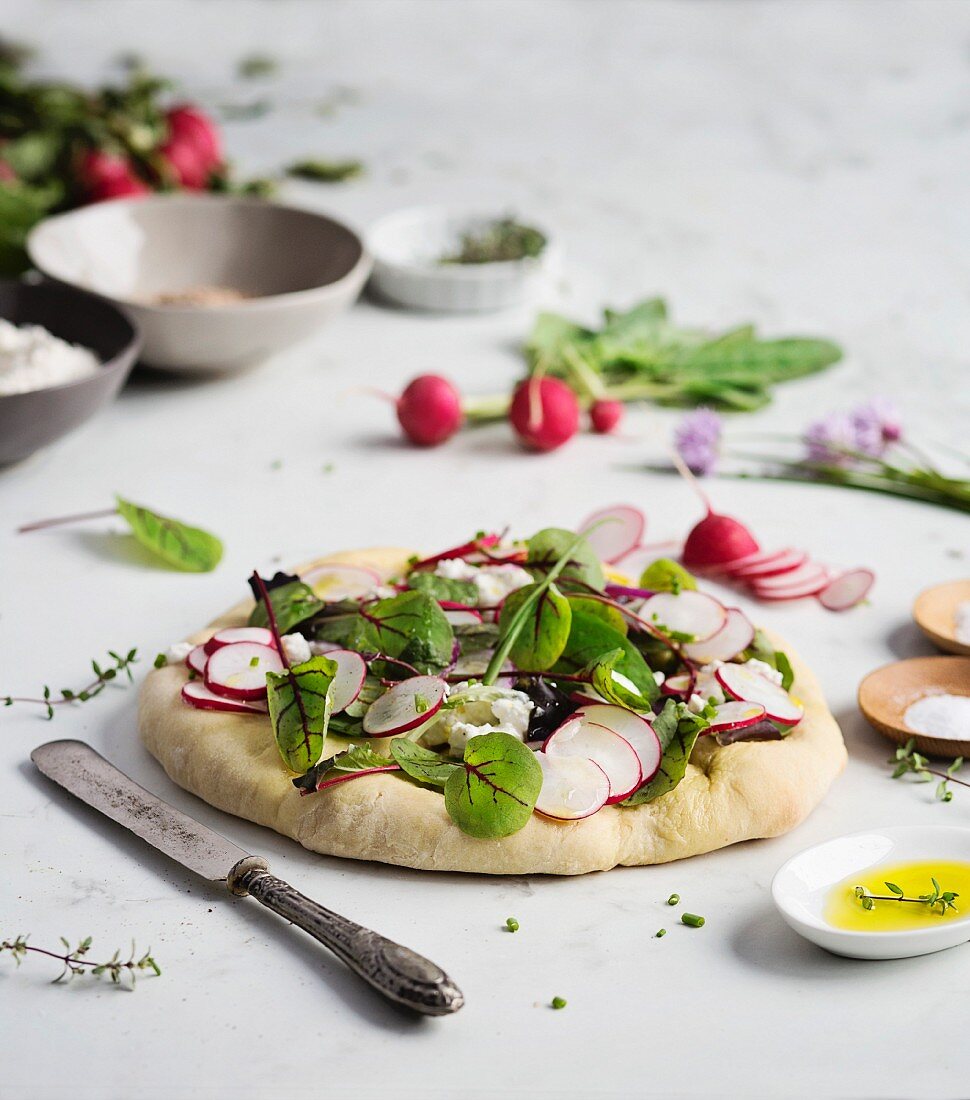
pixel 739 792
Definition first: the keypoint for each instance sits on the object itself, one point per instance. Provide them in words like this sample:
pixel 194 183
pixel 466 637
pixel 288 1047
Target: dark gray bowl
pixel 29 421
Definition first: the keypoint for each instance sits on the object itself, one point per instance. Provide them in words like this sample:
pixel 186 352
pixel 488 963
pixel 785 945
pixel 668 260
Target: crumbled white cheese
pixel 706 684
pixel 659 677
pixel 479 709
pixel 696 704
pixel 31 358
pixel 493 582
pixel 178 652
pixel 296 648
pixel 764 669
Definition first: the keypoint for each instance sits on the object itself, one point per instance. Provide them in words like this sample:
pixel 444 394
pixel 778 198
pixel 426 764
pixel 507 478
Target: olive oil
pixel 844 909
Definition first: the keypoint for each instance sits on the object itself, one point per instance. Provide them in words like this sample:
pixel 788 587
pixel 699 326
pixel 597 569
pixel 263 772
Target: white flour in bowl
pixel 31 358
pixel 945 716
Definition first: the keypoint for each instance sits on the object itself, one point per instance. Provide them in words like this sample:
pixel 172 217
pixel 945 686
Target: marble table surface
pixel 798 165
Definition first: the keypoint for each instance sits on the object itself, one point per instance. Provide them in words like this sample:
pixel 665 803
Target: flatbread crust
pixel 738 792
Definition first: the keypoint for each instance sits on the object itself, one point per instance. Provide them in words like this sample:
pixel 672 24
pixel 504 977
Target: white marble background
pixel 802 165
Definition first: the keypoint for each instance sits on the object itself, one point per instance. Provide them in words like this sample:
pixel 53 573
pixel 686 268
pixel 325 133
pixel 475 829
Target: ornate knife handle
pixel 397 972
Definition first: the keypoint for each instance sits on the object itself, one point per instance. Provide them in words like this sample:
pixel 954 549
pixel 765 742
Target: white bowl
pixel 300 268
pixel 408 245
pixel 801 887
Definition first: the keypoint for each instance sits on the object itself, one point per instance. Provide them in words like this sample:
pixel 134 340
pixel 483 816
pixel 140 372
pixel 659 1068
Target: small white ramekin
pixel 407 247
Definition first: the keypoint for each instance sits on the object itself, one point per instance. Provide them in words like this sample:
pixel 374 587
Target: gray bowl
pixel 298 267
pixel 29 421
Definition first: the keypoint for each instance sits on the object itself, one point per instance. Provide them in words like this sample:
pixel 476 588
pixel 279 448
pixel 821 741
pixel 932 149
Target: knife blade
pixel 398 973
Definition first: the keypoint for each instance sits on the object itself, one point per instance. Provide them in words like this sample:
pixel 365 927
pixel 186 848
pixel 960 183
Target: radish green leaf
pixel 492 794
pixel 542 638
pixel 300 701
pixel 293 603
pixel 177 544
pixel 422 764
pixel 410 627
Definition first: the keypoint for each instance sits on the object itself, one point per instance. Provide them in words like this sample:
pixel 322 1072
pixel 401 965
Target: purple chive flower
pixel 878 423
pixel 698 440
pixel 831 440
pixel 841 438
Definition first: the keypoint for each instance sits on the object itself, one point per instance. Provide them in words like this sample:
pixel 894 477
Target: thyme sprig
pixel 907 760
pixel 74 962
pixel 102 677
pixel 936 897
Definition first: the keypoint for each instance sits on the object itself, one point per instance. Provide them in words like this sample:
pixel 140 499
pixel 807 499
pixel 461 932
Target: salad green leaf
pixel 494 792
pixel 353 761
pixel 187 548
pixel 761 649
pixel 444 588
pixel 582 566
pixel 613 685
pixel 541 640
pixel 422 764
pixel 300 699
pixel 666 575
pixel 590 639
pixel 599 609
pixel 678 731
pixel 293 603
pixel 411 627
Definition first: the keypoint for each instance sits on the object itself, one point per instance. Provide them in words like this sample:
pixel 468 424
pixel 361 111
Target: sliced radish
pixel 687 612
pixel 573 787
pixel 406 705
pixel 736 634
pixel 458 614
pixel 231 634
pixel 334 581
pixel 349 679
pixel 751 687
pixel 782 561
pixel 620 533
pixel 198 695
pixel 808 574
pixel 633 728
pixel 847 590
pixel 239 669
pixel 736 716
pixel 680 684
pixel 613 753
pixel 198 659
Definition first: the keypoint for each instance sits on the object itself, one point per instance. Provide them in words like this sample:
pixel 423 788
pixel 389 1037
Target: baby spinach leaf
pixel 542 638
pixel 300 699
pixel 613 685
pixel 411 627
pixel 590 638
pixel 443 588
pixel 494 792
pixel 422 764
pixel 293 603
pixel 548 546
pixel 177 544
pixel 673 765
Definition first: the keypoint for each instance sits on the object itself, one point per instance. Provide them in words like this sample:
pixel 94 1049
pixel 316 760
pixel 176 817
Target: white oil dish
pixel 802 889
pixel 409 248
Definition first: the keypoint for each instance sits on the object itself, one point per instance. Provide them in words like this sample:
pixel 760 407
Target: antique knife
pixel 398 973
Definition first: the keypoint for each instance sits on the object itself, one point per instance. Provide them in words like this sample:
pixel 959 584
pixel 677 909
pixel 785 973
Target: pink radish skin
pixel 605 415
pixel 736 634
pixel 429 410
pixel 197 660
pixel 230 672
pixel 573 787
pixel 783 595
pixel 847 590
pixel 736 716
pixel 804 576
pixel 747 686
pixel 633 728
pixel 258 634
pixel 783 561
pixel 349 679
pixel 687 612
pixel 334 581
pixel 544 413
pixel 678 685
pixel 613 753
pixel 396 711
pixel 717 540
pixel 199 696
pixel 620 532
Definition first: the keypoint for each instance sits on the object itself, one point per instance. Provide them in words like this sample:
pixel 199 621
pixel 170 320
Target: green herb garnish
pixel 498 242
pixel 907 760
pixel 661 932
pixel 326 171
pixel 512 924
pixel 102 677
pixel 674 899
pixel 558 1002
pixel 692 920
pixel 74 961
pixel 935 897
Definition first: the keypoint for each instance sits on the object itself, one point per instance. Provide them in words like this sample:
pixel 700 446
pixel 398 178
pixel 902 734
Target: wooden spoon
pixel 935 614
pixel 885 694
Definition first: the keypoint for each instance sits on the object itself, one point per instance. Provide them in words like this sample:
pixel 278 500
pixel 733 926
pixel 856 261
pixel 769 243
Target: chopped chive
pixel 692 920
pixel 253 662
pixel 512 924
pixel 161 661
pixel 661 933
pixel 674 899
pixel 558 1002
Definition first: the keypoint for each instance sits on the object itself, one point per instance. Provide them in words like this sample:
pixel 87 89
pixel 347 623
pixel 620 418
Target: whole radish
pixel 193 149
pixel 7 174
pixel 102 175
pixel 605 415
pixel 544 413
pixel 429 410
pixel 717 540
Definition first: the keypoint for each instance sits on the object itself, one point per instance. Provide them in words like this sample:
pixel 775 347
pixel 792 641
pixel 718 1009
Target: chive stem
pixel 692 920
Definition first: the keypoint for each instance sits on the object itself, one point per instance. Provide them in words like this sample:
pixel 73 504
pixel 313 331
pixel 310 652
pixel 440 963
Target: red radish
pixel 615 755
pixel 102 175
pixel 717 540
pixel 405 706
pixel 429 410
pixel 633 728
pixel 619 533
pixel 781 561
pixel 349 679
pixel 7 174
pixel 682 684
pixel 198 659
pixel 544 413
pixel 736 634
pixel 198 695
pixel 573 787
pixel 804 576
pixel 735 716
pixel 192 150
pixel 687 612
pixel 847 590
pixel 604 415
pixel 746 686
pixel 460 615
pixel 239 670
pixel 334 581
pixel 258 634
